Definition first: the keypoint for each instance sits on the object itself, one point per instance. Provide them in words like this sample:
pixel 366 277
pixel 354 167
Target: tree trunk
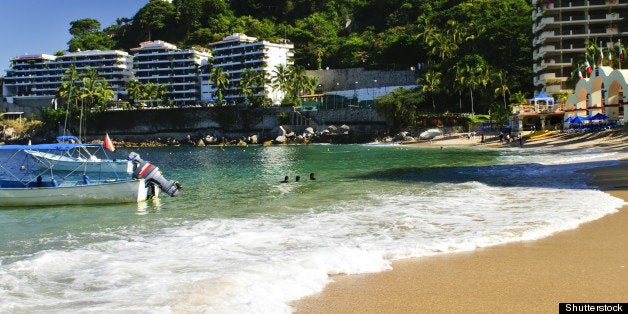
pixel 472 111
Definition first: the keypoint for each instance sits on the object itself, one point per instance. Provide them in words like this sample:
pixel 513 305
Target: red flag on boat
pixel 108 144
pixel 621 52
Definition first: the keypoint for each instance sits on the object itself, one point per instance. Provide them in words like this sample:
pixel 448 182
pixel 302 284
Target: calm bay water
pixel 237 240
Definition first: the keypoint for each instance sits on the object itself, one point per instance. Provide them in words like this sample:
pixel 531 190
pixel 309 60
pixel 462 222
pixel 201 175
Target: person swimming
pixel 297 179
pixel 286 179
pixel 312 176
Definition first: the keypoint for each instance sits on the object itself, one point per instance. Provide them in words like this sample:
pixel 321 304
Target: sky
pixel 42 26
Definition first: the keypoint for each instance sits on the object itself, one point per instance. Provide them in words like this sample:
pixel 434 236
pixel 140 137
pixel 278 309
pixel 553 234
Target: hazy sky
pixel 41 26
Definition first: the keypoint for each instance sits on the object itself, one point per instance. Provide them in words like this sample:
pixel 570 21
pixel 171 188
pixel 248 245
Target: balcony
pixel 538 109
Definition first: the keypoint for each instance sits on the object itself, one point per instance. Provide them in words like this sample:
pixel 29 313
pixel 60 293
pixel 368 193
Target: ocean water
pixel 238 241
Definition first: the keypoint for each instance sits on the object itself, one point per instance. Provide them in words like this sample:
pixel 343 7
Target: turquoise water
pixel 237 240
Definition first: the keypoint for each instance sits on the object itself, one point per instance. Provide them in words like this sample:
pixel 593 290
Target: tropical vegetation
pixel 81 94
pixel 471 54
pixel 148 94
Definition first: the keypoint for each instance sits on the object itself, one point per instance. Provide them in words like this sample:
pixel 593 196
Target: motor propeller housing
pixel 145 170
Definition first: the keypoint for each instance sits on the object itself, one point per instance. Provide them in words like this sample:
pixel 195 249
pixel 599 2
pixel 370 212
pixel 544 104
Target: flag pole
pixel 620 52
pixel 601 54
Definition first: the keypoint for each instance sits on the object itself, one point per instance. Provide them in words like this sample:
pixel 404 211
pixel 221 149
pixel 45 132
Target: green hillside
pixel 482 46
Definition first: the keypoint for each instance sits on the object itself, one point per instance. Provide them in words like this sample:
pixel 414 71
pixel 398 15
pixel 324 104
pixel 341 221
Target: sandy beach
pixel 587 264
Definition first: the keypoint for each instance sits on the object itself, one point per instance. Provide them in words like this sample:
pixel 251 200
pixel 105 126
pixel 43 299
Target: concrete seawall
pixel 228 122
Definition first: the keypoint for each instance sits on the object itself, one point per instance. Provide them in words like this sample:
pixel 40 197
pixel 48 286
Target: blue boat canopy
pixel 54 146
pixel 65 138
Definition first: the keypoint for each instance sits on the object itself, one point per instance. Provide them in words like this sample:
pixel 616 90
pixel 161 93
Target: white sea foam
pixel 260 264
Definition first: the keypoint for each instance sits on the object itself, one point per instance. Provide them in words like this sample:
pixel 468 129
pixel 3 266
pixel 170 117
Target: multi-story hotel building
pixel 238 52
pixel 561 28
pixel 180 69
pixel 31 77
pixel 37 77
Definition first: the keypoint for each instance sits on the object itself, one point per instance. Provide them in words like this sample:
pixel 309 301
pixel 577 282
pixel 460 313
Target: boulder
pixel 253 139
pixel 430 134
pixel 281 139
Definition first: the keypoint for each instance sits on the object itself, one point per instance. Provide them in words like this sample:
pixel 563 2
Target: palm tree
pixel 310 84
pixel 428 32
pixel 134 89
pixel 162 94
pixel 96 90
pixel 592 52
pixel 300 83
pixel 281 76
pixel 249 81
pixel 221 81
pixel 69 89
pixel 150 92
pixel 443 46
pixel 474 73
pixel 90 87
pixel 500 78
pixel 431 84
pixel 518 98
pixel 459 81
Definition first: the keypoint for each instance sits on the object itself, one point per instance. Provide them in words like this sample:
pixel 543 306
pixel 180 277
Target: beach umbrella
pixel 569 119
pixel 588 118
pixel 578 119
pixel 599 116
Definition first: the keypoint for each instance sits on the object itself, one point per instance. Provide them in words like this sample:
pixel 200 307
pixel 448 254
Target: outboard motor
pixel 145 170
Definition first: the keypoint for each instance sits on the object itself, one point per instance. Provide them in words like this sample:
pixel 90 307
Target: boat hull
pixel 95 193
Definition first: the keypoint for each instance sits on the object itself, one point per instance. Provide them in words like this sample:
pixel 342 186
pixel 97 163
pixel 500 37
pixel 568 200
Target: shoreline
pixel 585 264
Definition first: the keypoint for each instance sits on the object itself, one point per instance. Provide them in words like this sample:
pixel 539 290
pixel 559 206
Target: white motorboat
pixel 34 181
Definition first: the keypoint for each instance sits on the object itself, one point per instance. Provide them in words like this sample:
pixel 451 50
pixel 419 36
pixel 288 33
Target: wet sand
pixel 587 264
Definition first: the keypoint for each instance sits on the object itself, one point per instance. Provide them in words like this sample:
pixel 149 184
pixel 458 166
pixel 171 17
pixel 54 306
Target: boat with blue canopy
pixel 29 180
pixel 84 157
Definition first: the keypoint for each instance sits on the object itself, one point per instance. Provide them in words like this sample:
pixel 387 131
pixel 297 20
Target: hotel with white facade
pixel 238 52
pixel 159 62
pixel 37 77
pixel 560 29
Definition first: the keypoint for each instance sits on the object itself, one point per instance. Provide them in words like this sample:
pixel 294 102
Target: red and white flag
pixel 587 66
pixel 621 52
pixel 107 143
pixel 579 73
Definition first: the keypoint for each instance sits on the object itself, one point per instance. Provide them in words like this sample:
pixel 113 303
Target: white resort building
pixel 160 63
pixel 602 94
pixel 560 29
pixel 238 52
pixel 37 77
pixel 31 77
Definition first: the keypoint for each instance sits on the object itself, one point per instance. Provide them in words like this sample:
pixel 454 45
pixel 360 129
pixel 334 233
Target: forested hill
pixel 383 34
